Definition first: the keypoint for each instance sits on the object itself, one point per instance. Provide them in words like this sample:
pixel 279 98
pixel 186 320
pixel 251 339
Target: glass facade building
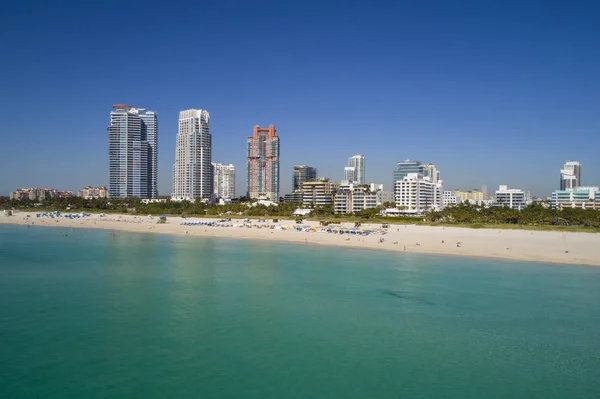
pixel 303 173
pixel 132 153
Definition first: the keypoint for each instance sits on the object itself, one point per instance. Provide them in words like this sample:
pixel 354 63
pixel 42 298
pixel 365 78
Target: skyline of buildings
pixel 133 161
pixel 263 164
pixel 132 152
pixel 193 170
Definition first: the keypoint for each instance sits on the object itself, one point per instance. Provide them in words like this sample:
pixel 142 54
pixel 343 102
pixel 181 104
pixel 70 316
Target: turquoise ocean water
pixel 97 314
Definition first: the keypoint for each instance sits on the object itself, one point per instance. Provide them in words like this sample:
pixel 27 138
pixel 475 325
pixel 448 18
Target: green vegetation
pixel 534 217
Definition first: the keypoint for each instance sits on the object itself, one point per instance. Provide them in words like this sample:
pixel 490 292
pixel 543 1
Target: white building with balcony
pixel 352 198
pixel 450 199
pixel 417 194
pixel 512 198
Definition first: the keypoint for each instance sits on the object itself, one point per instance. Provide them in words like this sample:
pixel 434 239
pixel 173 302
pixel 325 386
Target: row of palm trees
pixel 535 214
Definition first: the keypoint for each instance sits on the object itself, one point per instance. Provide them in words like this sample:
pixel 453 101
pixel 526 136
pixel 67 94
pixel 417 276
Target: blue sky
pixel 492 92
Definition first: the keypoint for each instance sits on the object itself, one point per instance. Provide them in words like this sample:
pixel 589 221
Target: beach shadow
pixel 407 298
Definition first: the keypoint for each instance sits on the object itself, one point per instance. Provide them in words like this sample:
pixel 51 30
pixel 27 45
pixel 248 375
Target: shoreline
pixel 556 247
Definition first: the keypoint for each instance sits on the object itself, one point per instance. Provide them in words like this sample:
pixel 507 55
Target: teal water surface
pixel 101 314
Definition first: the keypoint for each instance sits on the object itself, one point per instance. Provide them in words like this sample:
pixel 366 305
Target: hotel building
pixel 512 198
pixel 416 193
pixel 224 184
pixel 580 197
pixel 132 152
pixel 318 193
pixel 351 198
pixel 90 192
pixel 193 170
pixel 263 164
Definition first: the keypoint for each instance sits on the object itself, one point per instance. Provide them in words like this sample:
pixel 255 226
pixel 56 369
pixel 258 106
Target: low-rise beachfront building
pixel 351 198
pixel 294 198
pixel 416 193
pixel 449 199
pixel 318 193
pixel 512 198
pixel 90 192
pixel 153 200
pixel 580 197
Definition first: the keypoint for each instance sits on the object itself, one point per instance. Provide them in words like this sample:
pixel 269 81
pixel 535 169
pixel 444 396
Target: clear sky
pixel 492 92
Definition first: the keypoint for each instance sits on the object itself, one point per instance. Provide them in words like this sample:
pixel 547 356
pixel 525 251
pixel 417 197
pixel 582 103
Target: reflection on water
pixel 103 314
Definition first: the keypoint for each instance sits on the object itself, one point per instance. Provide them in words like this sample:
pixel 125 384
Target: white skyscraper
pixel 193 171
pixel 570 176
pixel 350 174
pixel 358 163
pixel 224 184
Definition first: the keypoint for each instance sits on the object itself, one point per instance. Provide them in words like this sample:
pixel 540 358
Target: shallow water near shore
pixel 103 314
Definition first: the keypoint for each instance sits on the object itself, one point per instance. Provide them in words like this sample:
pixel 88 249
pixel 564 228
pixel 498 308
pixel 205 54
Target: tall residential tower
pixel 193 171
pixel 357 162
pixel 263 164
pixel 132 152
pixel 224 185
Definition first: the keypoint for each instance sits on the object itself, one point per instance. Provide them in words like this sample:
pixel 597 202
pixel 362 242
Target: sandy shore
pixel 522 245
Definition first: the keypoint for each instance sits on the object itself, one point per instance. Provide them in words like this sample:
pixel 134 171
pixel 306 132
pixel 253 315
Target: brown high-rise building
pixel 263 164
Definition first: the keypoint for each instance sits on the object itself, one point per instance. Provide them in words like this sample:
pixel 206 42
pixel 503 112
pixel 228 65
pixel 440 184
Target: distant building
pixel 318 193
pixel 511 198
pixel 570 175
pixel 450 199
pixel 384 196
pixel 90 192
pixel 263 164
pixel 303 173
pixel 132 152
pixel 193 171
pixel 65 194
pixel 357 162
pixel 432 172
pixel 224 181
pixel 350 174
pixel 36 194
pixel 472 196
pixel 417 194
pixel 580 197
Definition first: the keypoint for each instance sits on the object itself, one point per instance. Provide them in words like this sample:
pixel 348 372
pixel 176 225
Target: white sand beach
pixel 522 245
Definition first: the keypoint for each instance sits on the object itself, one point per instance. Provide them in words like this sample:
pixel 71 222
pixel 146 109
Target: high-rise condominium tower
pixel 224 185
pixel 263 164
pixel 303 173
pixel 193 171
pixel 570 176
pixel 132 152
pixel 358 163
